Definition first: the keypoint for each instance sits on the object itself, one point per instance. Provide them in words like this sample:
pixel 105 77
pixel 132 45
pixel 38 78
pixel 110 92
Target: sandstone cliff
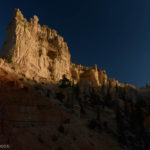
pixel 35 50
pixel 39 53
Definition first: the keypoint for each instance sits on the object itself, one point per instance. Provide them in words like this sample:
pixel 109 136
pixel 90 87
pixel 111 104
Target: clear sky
pixel 114 34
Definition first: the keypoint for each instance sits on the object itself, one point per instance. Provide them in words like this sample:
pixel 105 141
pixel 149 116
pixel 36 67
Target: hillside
pixel 31 121
pixel 48 102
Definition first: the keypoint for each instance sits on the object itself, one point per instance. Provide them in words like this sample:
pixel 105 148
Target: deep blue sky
pixel 115 34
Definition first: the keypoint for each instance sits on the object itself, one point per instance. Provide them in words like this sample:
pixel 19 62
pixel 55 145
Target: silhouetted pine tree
pixel 64 82
pixel 108 99
pixel 126 109
pixel 98 117
pixel 120 124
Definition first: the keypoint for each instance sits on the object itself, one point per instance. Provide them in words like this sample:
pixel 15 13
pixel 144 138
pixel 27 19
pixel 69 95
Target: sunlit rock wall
pixel 37 51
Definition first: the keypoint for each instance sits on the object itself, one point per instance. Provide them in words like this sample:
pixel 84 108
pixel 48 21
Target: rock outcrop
pixel 36 51
pixel 39 53
pixel 92 75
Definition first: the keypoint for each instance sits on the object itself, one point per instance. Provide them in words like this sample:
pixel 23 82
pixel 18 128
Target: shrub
pixel 61 129
pixel 25 89
pixel 21 79
pixel 67 121
pixel 54 138
pixel 60 96
pixel 64 82
pixel 93 124
pixel 41 140
pixel 60 148
pixel 9 59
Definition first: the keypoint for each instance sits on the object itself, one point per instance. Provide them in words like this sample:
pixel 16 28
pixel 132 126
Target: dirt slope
pixel 30 121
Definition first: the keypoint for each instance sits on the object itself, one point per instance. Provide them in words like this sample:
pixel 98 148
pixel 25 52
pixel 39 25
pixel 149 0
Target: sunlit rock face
pixel 37 51
pixel 92 75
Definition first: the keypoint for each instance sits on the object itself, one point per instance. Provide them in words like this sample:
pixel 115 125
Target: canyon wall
pixel 39 53
pixel 36 51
